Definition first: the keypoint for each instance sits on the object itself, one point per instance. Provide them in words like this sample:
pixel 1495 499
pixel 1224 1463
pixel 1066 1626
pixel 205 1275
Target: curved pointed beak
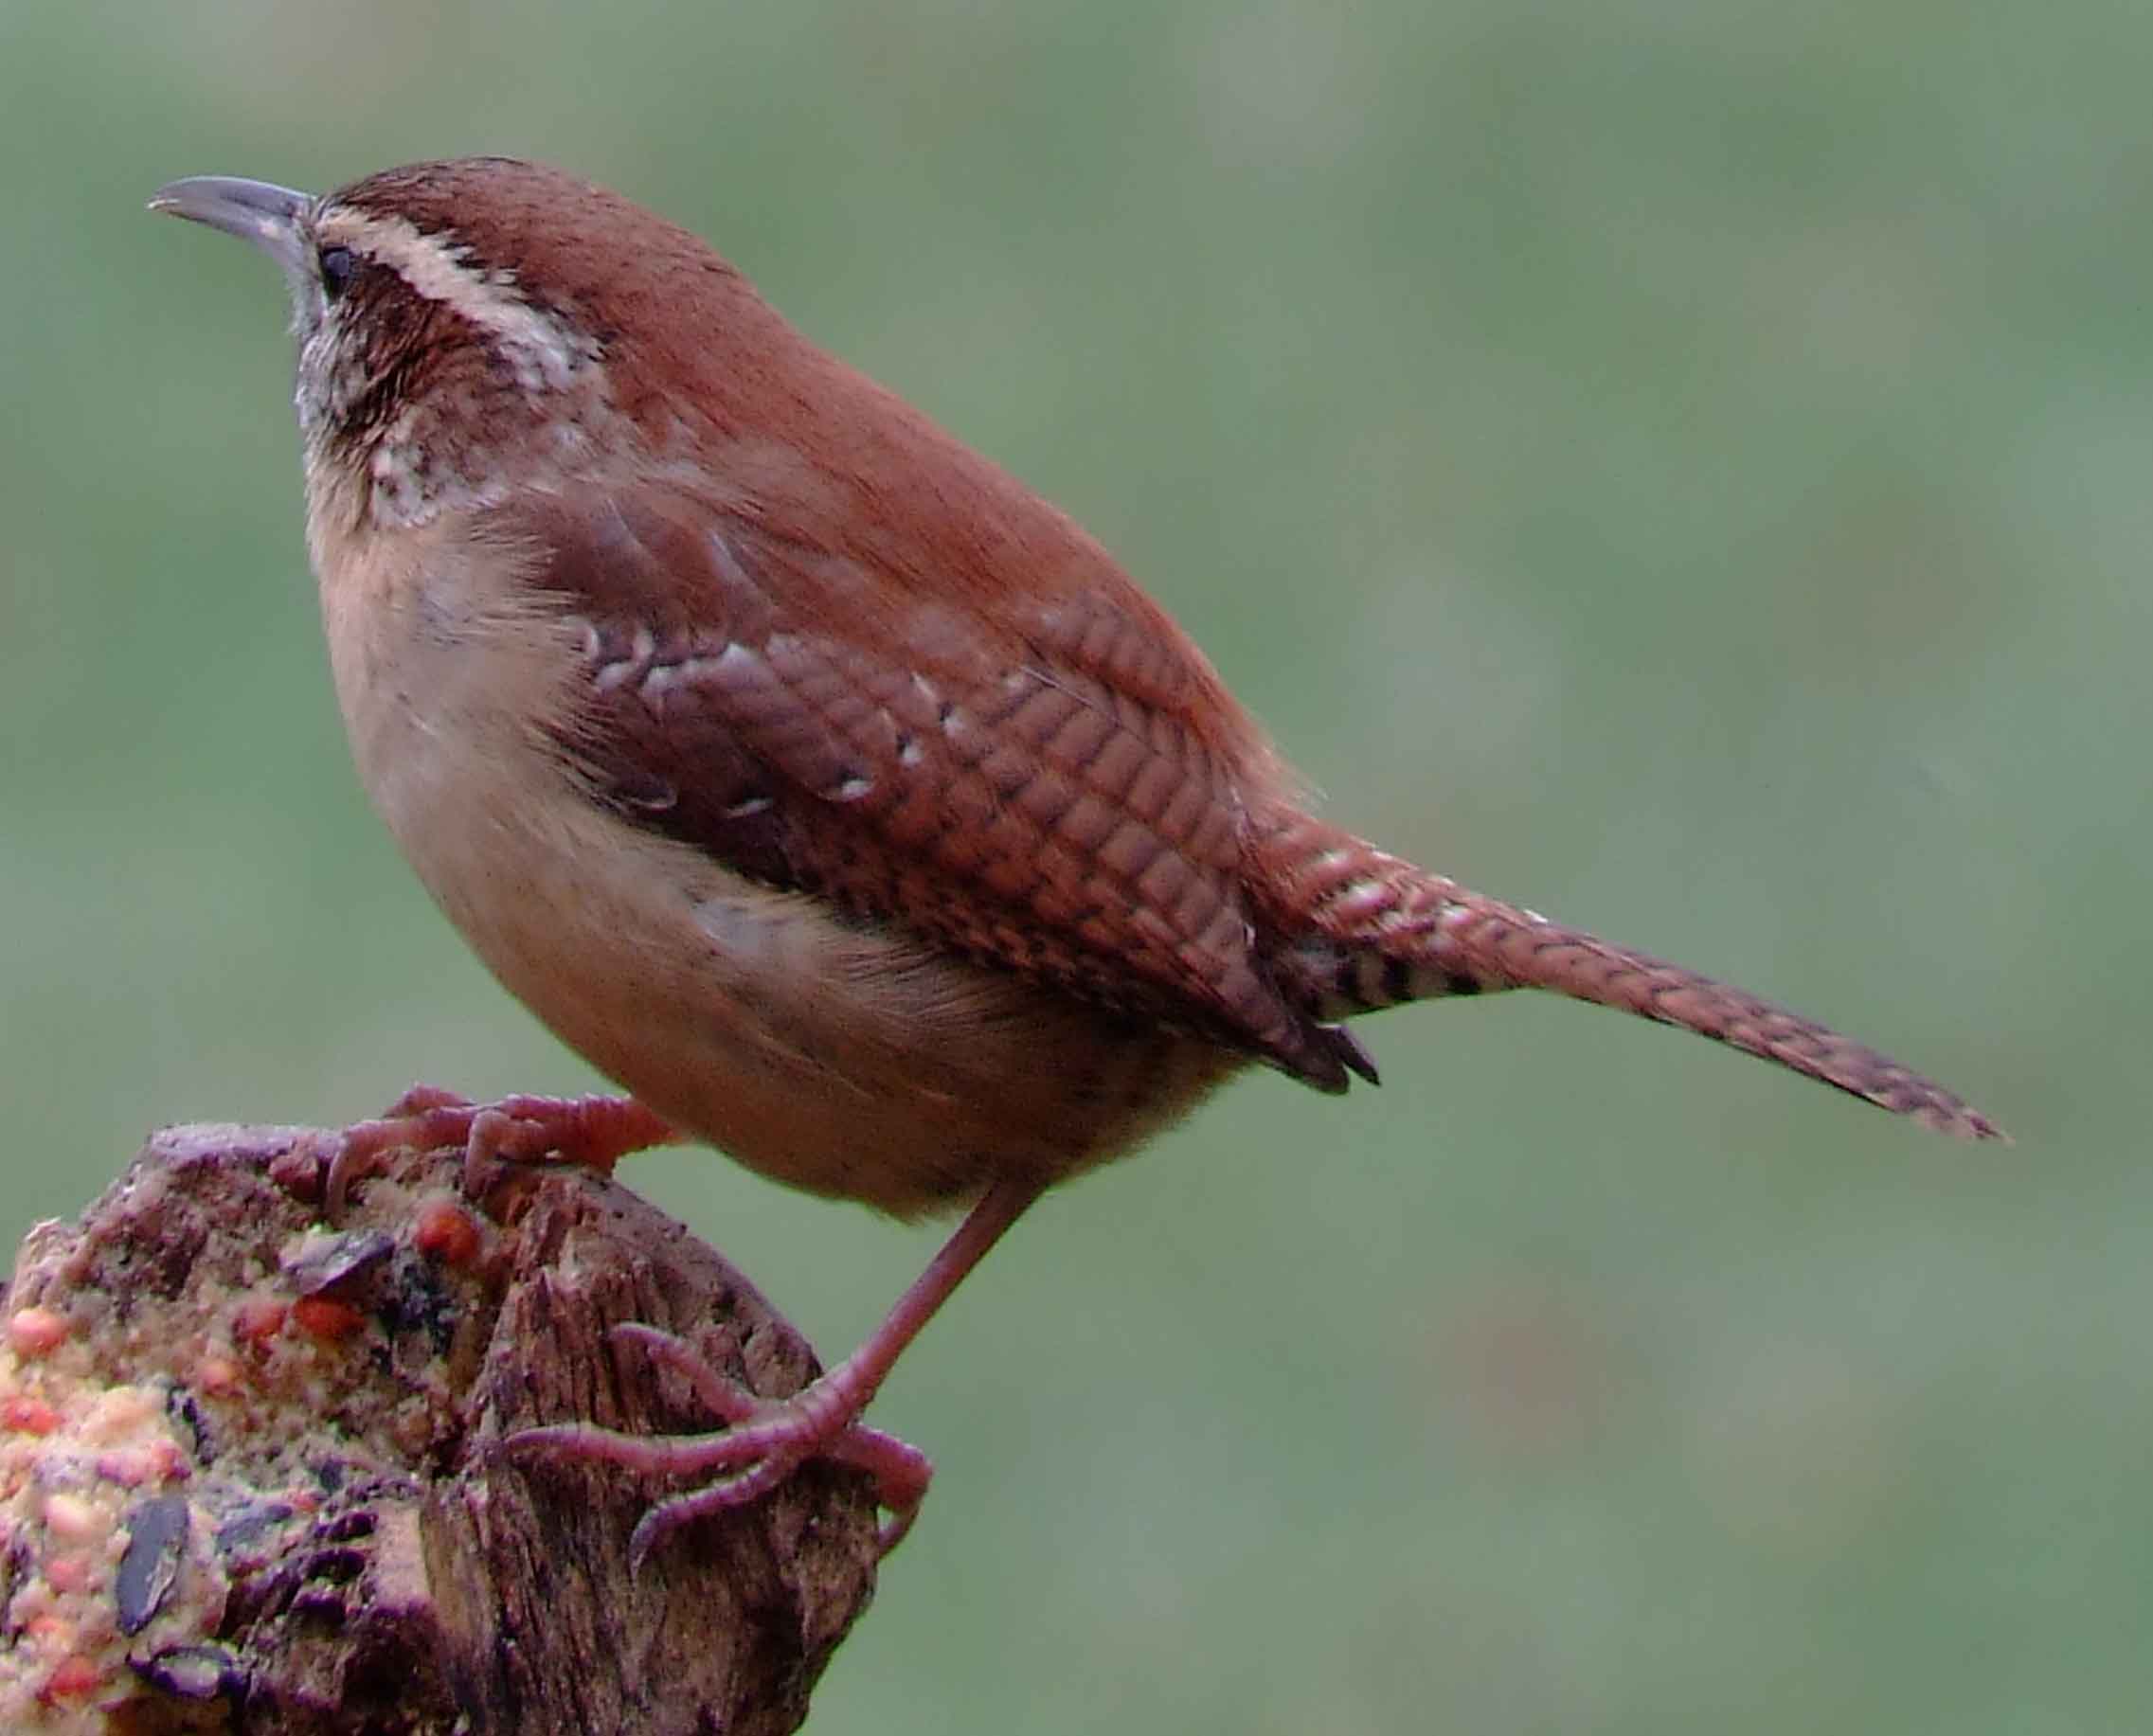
pixel 273 217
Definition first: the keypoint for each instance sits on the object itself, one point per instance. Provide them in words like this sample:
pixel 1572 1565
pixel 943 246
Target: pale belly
pixel 846 1059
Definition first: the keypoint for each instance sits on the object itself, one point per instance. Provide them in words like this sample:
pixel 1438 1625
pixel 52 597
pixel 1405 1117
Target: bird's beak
pixel 273 217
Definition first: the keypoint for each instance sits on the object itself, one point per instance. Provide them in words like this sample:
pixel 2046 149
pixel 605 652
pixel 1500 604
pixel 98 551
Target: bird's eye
pixel 338 266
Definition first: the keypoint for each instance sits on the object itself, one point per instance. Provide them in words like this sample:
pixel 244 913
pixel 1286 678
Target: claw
pixel 661 1519
pixel 764 1441
pixel 422 1098
pixel 596 1132
pixel 900 1470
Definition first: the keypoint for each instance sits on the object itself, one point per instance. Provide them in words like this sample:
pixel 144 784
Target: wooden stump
pixel 246 1480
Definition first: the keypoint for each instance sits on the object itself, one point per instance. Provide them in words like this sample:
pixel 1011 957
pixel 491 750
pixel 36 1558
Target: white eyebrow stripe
pixel 436 267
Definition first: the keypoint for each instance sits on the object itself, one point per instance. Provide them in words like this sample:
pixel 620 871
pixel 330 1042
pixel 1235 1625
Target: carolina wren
pixel 818 782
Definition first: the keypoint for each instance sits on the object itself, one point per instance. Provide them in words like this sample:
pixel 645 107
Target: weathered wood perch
pixel 245 1482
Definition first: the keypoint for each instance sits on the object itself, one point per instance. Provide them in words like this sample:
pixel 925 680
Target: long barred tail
pixel 1357 930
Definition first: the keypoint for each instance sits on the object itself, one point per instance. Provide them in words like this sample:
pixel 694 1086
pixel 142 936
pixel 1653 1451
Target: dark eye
pixel 338 268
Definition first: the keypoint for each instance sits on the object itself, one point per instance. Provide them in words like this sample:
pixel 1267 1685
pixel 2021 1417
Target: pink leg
pixel 596 1132
pixel 767 1439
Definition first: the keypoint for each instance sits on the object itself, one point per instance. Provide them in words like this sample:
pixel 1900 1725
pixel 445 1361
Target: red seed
pixel 445 1230
pixel 318 1316
pixel 71 1678
pixel 37 1332
pixel 219 1375
pixel 28 1415
pixel 258 1320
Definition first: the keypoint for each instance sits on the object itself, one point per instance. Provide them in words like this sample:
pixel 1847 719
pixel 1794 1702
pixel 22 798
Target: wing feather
pixel 1031 792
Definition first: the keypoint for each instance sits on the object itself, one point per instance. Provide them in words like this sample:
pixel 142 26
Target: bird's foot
pixel 766 1440
pixel 595 1131
pixel 763 1442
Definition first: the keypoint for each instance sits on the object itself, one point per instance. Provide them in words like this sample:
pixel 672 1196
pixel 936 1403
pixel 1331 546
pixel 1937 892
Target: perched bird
pixel 825 787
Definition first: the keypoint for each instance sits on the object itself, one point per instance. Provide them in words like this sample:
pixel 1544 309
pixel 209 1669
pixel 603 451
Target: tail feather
pixel 1359 930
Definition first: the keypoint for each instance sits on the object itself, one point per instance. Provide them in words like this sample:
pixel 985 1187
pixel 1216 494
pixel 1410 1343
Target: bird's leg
pixel 596 1132
pixel 766 1439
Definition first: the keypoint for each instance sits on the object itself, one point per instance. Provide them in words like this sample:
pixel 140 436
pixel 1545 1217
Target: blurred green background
pixel 1687 466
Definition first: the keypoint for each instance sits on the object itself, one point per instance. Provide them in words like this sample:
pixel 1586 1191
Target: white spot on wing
pixel 1359 900
pixel 722 551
